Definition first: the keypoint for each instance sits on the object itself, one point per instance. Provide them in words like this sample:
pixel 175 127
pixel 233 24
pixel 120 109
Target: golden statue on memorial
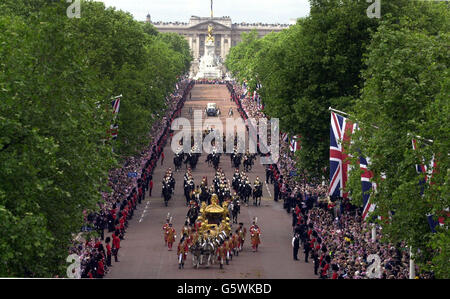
pixel 210 37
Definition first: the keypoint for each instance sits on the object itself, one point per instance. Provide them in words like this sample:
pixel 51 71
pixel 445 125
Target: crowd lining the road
pixel 332 233
pixel 128 191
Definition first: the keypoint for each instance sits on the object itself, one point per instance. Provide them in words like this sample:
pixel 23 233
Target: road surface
pixel 143 253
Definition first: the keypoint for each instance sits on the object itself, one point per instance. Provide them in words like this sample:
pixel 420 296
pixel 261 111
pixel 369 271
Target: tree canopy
pixel 391 76
pixel 57 77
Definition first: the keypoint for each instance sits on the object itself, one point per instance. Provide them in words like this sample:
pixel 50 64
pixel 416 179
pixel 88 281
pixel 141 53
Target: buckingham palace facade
pixel 226 34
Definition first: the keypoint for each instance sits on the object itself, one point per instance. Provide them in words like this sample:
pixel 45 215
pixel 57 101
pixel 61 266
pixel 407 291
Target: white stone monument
pixel 210 65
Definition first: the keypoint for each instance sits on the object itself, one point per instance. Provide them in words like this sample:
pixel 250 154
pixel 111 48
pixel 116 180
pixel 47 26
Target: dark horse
pixel 167 193
pixel 192 160
pixel 177 161
pixel 237 160
pixel 248 162
pixel 257 194
pixel 235 207
pixel 216 161
pixel 192 215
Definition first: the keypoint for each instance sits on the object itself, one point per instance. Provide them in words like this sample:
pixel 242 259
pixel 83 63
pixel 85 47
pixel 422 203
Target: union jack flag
pixel 440 219
pixel 367 186
pixel 284 137
pixel 341 130
pixel 114 131
pixel 428 170
pixel 115 105
pixel 295 144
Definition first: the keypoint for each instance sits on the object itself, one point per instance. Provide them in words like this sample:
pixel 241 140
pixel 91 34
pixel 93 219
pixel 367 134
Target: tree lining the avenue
pixel 57 78
pixel 391 76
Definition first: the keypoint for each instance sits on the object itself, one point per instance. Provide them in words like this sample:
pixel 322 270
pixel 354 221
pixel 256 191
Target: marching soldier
pixel 170 236
pixel 165 228
pixel 236 243
pixel 228 245
pixel 242 232
pixel 116 245
pixel 222 254
pixel 182 252
pixel 255 232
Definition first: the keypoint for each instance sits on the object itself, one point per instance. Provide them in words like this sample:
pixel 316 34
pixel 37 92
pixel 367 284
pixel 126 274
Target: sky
pixel 250 11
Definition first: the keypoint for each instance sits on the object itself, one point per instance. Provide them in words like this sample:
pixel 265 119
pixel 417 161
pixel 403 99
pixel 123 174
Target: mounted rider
pixel 189 186
pixel 235 207
pixel 236 179
pixel 168 184
pixel 185 230
pixel 257 192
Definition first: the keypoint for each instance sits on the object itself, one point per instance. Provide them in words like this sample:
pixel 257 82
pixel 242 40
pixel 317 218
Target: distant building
pixel 226 33
pixel 293 21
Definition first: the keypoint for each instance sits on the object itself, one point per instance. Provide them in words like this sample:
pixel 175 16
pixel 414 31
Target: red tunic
pixel 101 268
pixel 116 242
pixel 325 269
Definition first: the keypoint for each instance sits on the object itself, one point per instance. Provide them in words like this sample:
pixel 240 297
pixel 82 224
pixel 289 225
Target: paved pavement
pixel 143 254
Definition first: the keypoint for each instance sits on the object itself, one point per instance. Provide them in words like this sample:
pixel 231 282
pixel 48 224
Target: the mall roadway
pixel 143 254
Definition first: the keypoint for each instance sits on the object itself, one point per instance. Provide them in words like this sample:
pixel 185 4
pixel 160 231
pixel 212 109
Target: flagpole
pixel 374 233
pixel 412 269
pixel 340 112
pixel 421 138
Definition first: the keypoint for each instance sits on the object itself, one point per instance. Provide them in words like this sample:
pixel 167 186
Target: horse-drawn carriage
pixel 213 228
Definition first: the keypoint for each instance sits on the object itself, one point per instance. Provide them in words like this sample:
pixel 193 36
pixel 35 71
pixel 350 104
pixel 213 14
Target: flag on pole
pixel 114 131
pixel 284 137
pixel 115 103
pixel 341 130
pixel 367 186
pixel 435 220
pixel 429 170
pixel 295 144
